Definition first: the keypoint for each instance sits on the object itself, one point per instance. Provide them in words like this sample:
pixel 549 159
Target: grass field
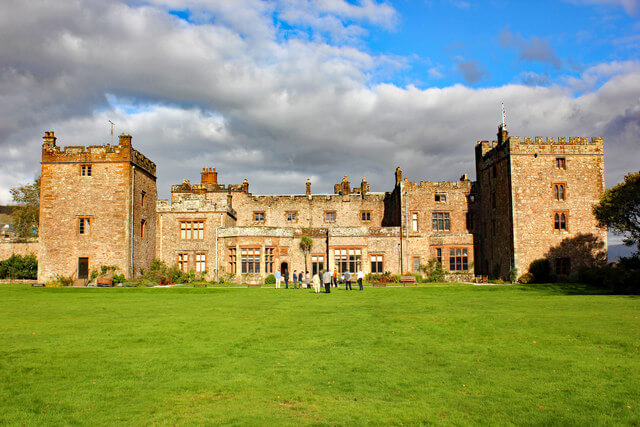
pixel 451 354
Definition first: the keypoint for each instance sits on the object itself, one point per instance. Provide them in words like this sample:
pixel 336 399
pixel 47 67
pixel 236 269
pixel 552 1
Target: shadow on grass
pixel 570 289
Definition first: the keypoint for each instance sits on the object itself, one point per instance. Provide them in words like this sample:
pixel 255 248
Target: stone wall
pixel 9 247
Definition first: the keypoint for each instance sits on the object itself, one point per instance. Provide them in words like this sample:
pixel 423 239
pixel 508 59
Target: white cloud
pixel 230 92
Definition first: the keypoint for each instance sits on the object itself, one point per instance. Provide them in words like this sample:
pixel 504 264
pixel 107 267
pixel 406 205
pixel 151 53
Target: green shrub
pixel 433 271
pixel 60 280
pixel 541 270
pixel 385 277
pixel 270 280
pixel 526 278
pixel 118 278
pixel 19 267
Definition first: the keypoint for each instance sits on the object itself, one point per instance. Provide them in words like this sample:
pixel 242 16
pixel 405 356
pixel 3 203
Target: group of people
pixel 326 278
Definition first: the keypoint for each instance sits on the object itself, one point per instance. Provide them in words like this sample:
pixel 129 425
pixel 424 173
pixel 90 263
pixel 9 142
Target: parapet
pixel 51 153
pixel 539 144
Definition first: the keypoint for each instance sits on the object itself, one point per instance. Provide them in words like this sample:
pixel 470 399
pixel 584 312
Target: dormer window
pixel 441 197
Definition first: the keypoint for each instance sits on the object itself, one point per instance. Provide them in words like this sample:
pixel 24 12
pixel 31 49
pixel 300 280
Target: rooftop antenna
pixel 113 124
pixel 504 117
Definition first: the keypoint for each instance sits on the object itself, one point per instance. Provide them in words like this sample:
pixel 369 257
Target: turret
pixel 124 140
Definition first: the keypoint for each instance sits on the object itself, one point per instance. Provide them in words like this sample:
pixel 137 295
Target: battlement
pixel 51 153
pixel 202 188
pixel 541 145
pixel 462 184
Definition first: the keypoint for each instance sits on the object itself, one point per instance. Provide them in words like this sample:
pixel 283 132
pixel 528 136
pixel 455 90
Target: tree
pixel 26 213
pixel 306 243
pixel 619 209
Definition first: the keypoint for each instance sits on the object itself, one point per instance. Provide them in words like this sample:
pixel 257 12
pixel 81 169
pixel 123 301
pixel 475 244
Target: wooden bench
pixel 37 285
pixel 408 280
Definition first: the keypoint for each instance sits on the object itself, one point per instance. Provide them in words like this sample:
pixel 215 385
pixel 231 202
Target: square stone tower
pixel 97 208
pixel 536 199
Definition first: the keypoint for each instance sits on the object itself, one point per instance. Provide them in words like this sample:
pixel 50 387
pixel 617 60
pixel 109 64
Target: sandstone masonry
pixel 532 199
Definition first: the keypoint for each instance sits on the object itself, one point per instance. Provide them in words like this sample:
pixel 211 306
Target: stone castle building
pixel 532 199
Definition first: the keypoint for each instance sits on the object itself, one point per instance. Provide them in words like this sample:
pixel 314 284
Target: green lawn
pixel 453 355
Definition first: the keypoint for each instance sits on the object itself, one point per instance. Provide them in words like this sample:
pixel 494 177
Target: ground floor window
pixel 231 260
pixel 377 263
pixel 201 262
pixel 563 265
pixel 439 255
pixel 317 264
pixel 268 260
pixel 183 262
pixel 348 259
pixel 250 260
pixel 458 259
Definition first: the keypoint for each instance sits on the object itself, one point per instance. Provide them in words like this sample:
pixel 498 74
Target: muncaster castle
pixel 532 199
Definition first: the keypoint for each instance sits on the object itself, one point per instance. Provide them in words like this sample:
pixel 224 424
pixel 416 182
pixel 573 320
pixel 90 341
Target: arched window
pixel 560 221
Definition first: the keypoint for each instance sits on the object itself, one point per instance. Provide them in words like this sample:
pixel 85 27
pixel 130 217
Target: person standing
pixel 316 283
pixel 347 281
pixel 300 279
pixel 326 278
pixel 295 279
pixel 334 279
pixel 307 280
pixel 278 277
pixel 360 278
pixel 285 275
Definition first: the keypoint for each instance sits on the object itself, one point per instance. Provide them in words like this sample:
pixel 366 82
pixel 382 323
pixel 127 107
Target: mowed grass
pixel 453 355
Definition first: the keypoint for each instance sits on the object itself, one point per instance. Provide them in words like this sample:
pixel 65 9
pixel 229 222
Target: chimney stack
pixel 245 185
pixel 308 192
pixel 209 176
pixel 364 186
pixel 48 140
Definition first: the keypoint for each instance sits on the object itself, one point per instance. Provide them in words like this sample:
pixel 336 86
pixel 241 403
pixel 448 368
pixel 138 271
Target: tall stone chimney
pixel 398 175
pixel 503 135
pixel 48 140
pixel 308 191
pixel 364 186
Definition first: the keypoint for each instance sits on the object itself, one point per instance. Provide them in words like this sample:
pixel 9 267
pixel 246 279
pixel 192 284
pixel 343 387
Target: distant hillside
pixel 618 251
pixel 5 214
pixel 6 210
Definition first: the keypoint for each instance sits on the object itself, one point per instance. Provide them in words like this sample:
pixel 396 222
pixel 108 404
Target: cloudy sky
pixel 284 90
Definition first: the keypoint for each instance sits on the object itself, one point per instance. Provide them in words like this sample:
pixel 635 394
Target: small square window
pixel 330 216
pixel 441 197
pixel 258 216
pixel 292 216
pixel 365 216
pixel 85 170
pixel 561 163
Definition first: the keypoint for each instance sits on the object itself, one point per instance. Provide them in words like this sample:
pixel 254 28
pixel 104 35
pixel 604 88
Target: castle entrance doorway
pixel 284 269
pixel 83 268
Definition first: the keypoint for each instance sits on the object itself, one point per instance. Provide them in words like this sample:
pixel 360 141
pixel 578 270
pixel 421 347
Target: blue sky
pixel 278 91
